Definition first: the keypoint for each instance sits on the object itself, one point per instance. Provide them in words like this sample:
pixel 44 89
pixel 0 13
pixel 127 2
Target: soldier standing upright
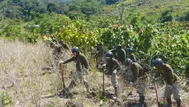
pixel 81 69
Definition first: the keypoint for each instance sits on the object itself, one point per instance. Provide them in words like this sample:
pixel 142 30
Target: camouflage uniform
pixel 119 54
pixel 133 57
pixel 172 83
pixel 100 54
pixel 140 78
pixel 81 70
pixel 57 52
pixel 112 67
pixel 65 46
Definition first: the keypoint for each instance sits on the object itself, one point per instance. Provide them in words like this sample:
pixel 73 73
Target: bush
pixel 167 16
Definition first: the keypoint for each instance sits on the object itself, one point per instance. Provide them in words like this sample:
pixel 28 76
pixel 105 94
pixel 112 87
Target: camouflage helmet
pixel 118 46
pixel 61 42
pixel 109 54
pixel 52 44
pixel 129 50
pixel 128 61
pixel 75 49
pixel 157 62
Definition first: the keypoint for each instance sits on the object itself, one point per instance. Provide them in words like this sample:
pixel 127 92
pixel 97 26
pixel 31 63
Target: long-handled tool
pixel 156 94
pixel 62 74
pixel 103 79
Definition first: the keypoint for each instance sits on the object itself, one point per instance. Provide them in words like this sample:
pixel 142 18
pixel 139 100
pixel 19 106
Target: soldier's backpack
pixel 146 67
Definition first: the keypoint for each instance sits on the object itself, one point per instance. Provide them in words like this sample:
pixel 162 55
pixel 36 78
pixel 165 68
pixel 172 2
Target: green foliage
pixel 167 41
pixel 49 24
pixel 6 99
pixel 167 16
pixel 111 1
pixel 77 34
pixel 187 16
pixel 90 7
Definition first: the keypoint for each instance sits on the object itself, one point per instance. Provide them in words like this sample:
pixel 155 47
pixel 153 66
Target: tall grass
pixel 21 75
pixel 20 66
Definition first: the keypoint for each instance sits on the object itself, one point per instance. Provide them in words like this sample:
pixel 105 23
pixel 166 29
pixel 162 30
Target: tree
pixel 111 1
pixel 89 7
pixel 52 7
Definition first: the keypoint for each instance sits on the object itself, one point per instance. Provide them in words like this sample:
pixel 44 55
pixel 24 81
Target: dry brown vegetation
pixel 23 78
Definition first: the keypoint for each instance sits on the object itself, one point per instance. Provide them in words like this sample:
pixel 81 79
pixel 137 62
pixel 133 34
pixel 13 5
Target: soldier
pixel 64 45
pixel 131 55
pixel 139 79
pixel 171 80
pixel 100 55
pixel 57 52
pixel 112 67
pixel 81 68
pixel 53 39
pixel 119 53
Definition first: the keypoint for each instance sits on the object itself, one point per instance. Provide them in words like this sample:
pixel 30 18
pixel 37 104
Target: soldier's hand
pixel 104 65
pixel 131 83
pixel 61 62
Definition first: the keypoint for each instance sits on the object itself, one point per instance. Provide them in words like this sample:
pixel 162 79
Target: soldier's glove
pixel 131 83
pixel 60 62
pixel 104 65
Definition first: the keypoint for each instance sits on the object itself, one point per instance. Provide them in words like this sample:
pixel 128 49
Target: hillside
pixel 135 11
pixel 142 12
pixel 29 76
pixel 26 83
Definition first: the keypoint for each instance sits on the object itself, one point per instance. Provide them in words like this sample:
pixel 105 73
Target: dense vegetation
pixel 89 22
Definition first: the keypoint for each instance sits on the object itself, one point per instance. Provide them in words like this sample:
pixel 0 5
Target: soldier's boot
pixel 141 101
pixel 179 103
pixel 169 102
pixel 116 93
pixel 72 85
pixel 86 86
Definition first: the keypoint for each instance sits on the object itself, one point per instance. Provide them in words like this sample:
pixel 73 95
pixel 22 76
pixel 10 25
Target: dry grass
pixel 21 77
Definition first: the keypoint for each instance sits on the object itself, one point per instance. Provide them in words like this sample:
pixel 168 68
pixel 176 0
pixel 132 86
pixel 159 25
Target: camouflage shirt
pixel 137 71
pixel 80 60
pixel 119 54
pixel 133 57
pixel 111 65
pixel 65 46
pixel 167 73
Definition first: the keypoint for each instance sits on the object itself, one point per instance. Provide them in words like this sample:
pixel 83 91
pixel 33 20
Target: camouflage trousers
pixel 141 85
pixel 79 77
pixel 172 89
pixel 114 80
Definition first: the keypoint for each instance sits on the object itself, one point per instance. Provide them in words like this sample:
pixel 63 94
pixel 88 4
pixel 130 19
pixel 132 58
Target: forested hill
pixel 147 11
